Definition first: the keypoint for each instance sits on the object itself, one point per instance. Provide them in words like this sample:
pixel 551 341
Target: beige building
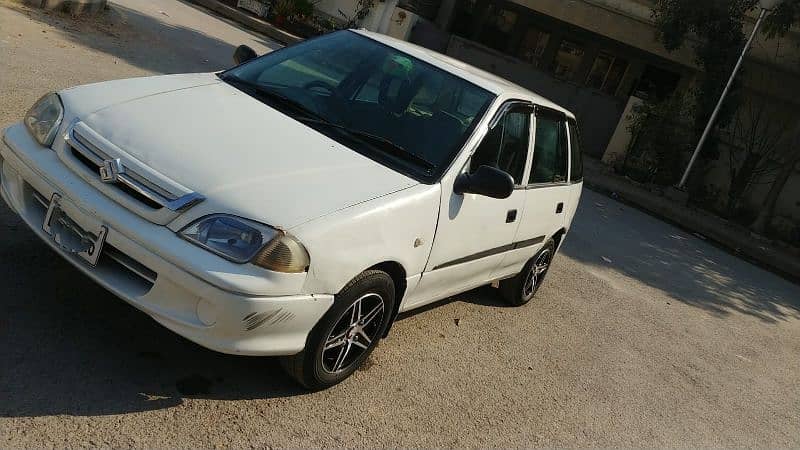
pixel 599 58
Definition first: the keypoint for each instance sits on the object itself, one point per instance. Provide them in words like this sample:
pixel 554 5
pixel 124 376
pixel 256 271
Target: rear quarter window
pixel 576 157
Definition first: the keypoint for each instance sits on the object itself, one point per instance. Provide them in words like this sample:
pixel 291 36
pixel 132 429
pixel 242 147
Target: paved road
pixel 643 335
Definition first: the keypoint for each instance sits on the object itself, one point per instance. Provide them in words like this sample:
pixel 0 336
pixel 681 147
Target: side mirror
pixel 488 181
pixel 243 54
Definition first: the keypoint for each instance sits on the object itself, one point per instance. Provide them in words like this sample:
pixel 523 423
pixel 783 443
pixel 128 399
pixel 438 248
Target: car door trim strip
pixel 491 252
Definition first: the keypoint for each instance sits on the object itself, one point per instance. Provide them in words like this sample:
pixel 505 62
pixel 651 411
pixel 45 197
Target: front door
pixel 474 231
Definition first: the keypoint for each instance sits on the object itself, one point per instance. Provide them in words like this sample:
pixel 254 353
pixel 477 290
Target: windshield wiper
pixel 270 94
pixel 379 142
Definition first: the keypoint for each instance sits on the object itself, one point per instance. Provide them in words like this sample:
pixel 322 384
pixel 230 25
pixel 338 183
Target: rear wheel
pixel 520 290
pixel 347 334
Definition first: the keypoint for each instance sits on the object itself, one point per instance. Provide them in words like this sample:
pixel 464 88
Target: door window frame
pixel 502 110
pixel 552 113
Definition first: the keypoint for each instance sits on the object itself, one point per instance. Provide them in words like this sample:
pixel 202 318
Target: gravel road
pixel 643 335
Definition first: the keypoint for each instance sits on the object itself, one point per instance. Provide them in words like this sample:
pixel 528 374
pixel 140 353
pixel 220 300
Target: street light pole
pixel 766 5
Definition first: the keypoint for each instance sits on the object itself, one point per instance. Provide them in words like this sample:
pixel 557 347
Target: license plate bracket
pixel 69 236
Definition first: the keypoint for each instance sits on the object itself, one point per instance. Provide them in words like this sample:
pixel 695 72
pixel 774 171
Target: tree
pixel 756 135
pixel 655 153
pixel 788 167
pixel 719 27
pixel 361 11
pixel 786 15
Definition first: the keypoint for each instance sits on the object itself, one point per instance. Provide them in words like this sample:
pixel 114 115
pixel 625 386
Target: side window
pixel 506 145
pixel 549 151
pixel 575 152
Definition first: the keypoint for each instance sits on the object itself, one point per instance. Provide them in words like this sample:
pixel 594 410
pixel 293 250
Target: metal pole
pixel 714 115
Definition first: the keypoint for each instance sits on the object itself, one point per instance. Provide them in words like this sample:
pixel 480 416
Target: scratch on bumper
pixel 273 317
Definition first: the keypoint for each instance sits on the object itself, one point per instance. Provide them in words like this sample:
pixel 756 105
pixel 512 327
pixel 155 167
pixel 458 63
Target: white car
pixel 295 204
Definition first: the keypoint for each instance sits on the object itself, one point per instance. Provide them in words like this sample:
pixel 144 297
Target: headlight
pixel 241 241
pixel 44 118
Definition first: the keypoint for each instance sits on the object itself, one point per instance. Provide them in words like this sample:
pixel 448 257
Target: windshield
pixel 394 108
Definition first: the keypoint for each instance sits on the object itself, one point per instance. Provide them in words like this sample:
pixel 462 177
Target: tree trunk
pixel 768 211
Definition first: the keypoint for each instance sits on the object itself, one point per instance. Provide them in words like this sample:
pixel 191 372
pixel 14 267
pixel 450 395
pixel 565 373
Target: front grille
pixel 117 173
pixel 84 160
pixel 41 199
pixel 130 264
pixel 89 164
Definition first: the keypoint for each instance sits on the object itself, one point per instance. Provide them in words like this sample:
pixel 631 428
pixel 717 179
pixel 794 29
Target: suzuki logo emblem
pixel 110 170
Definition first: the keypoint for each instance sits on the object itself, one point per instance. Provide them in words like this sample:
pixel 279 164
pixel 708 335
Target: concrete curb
pixel 248 21
pixel 735 238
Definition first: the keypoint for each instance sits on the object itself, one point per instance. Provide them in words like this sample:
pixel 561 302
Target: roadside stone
pixel 74 7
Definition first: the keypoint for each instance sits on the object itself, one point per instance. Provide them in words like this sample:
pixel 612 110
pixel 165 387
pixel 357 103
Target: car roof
pixel 482 78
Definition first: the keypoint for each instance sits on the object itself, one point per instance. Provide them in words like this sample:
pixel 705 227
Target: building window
pixel 568 59
pixel 607 72
pixel 533 44
pixel 496 32
pixel 425 8
pixel 463 18
pixel 656 84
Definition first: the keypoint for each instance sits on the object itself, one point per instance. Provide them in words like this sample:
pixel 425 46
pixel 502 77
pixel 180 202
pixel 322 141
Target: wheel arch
pixel 398 274
pixel 558 237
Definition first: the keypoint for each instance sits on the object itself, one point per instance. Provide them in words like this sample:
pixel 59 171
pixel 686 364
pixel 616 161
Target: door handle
pixel 511 215
pixel 560 208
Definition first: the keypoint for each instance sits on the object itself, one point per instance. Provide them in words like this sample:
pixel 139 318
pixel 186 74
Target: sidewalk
pixel 736 238
pixel 249 21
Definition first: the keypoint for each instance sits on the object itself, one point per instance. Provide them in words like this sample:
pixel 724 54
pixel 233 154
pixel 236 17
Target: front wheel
pixel 346 335
pixel 520 290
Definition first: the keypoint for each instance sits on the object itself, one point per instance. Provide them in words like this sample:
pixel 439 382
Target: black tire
pixel 516 291
pixel 317 367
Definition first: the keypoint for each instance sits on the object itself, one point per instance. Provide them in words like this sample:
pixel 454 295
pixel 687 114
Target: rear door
pixel 547 190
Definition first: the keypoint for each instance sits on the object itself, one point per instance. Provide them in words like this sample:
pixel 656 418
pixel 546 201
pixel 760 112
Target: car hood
pixel 245 157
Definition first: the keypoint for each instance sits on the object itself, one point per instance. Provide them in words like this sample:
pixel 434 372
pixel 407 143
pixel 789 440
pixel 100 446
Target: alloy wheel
pixel 536 273
pixel 354 333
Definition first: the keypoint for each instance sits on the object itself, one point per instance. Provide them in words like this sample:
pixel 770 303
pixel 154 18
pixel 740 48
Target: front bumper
pixel 217 304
